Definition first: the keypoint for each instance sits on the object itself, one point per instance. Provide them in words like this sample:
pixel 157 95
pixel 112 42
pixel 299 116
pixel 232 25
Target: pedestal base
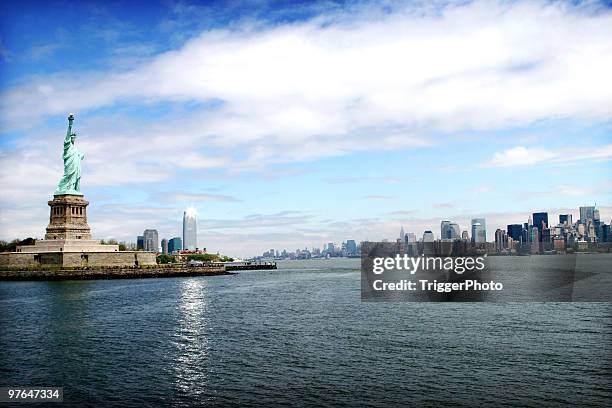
pixel 68 245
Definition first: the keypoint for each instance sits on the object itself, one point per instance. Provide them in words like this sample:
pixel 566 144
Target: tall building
pixel 140 243
pixel 190 231
pixel 444 229
pixel 175 244
pixel 428 236
pixel 540 221
pixel 164 244
pixel 479 230
pixel 449 230
pixel 501 240
pixel 151 240
pixel 565 219
pixel 410 237
pixel 587 213
pixel 455 231
pixel 351 247
pixel 402 236
pixel 515 231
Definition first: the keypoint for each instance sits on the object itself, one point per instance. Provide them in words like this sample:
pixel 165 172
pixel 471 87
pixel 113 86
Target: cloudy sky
pixel 289 125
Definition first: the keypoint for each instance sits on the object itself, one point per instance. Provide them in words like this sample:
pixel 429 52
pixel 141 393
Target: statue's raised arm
pixel 69 131
pixel 71 180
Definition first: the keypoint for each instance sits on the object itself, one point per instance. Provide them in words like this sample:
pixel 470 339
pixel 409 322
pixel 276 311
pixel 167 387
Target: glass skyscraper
pixel 175 244
pixel 190 232
pixel 479 230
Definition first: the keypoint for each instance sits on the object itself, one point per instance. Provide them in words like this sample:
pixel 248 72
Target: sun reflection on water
pixel 191 340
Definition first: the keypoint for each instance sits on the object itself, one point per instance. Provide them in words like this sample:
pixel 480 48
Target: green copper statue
pixel 71 181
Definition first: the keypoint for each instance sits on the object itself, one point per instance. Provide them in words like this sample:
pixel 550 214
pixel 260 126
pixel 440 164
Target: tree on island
pixel 11 246
pixel 165 259
pixel 209 258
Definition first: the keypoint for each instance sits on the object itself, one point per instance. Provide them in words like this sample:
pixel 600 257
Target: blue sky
pixel 289 124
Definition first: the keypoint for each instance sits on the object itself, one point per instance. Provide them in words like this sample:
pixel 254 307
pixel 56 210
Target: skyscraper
pixel 164 245
pixel 190 232
pixel 501 240
pixel 455 230
pixel 428 236
pixel 479 230
pixel 515 231
pixel 151 240
pixel 140 243
pixel 402 236
pixel 586 213
pixel 540 221
pixel 565 219
pixel 351 247
pixel 175 244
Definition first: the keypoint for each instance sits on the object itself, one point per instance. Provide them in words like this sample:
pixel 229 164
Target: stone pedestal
pixel 68 219
pixel 68 230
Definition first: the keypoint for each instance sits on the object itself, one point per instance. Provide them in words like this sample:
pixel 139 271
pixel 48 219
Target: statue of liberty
pixel 71 181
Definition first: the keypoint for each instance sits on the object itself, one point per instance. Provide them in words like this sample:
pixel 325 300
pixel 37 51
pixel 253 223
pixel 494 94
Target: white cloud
pixel 465 66
pixel 523 156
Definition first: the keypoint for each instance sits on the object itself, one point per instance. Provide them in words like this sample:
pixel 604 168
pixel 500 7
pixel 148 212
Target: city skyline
pixel 294 127
pixel 478 234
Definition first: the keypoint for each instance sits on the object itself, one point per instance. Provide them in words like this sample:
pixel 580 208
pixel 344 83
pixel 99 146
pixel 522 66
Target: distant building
pixel 164 245
pixel 449 230
pixel 540 221
pixel 501 240
pixel 140 243
pixel 565 219
pixel 479 230
pixel 151 240
pixel 175 244
pixel 535 240
pixel 190 231
pixel 587 213
pixel 465 235
pixel 515 231
pixel 428 236
pixel 351 247
pixel 444 229
pixel 402 236
pixel 410 238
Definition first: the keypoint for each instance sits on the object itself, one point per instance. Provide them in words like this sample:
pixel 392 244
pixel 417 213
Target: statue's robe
pixel 71 180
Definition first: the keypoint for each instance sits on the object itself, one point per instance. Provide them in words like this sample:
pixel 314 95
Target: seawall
pixel 160 271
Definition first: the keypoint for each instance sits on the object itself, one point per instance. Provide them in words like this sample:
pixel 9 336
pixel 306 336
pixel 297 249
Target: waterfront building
pixel 164 245
pixel 449 230
pixel 559 244
pixel 410 238
pixel 190 231
pixel 535 240
pixel 351 247
pixel 515 231
pixel 140 243
pixel 546 238
pixel 565 219
pixel 586 213
pixel 455 230
pixel 445 229
pixel 540 221
pixel 174 245
pixel 151 240
pixel 501 240
pixel 479 230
